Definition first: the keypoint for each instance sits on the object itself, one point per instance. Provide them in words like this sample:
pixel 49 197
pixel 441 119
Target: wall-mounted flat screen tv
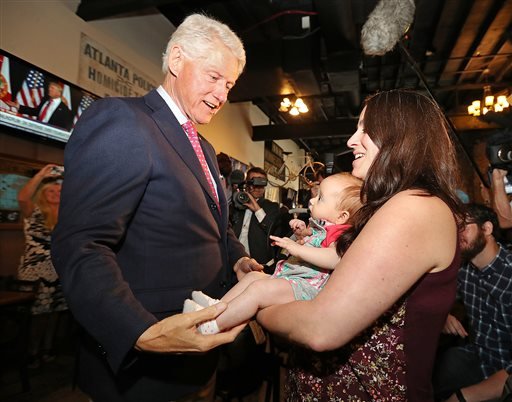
pixel 37 102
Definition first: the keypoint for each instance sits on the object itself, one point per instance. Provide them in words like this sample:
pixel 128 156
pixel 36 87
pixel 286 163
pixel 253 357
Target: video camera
pixel 499 153
pixel 241 197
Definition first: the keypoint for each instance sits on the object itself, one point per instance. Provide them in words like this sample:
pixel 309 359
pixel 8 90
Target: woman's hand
pixel 27 192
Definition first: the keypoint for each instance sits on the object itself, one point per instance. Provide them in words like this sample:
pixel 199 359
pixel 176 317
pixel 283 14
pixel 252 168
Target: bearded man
pixel 478 370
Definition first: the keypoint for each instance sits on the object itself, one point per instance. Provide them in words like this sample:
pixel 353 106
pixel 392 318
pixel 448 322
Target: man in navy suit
pixel 51 110
pixel 143 221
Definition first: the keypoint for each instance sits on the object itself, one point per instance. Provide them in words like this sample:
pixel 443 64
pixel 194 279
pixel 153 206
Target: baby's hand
pixel 297 224
pixel 287 243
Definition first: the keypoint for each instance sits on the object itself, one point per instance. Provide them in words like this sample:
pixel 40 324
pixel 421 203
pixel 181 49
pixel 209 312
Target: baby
pixel 305 272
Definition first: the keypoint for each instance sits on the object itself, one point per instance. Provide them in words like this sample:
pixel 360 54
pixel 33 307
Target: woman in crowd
pixel 39 203
pixel 383 309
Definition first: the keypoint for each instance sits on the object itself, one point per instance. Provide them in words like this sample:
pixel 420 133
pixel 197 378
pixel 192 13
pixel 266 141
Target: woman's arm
pixel 27 192
pixel 409 236
pixel 325 258
pixel 490 388
pixel 500 202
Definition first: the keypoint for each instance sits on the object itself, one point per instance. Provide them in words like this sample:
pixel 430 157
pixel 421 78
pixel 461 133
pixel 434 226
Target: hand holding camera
pixel 50 171
pixel 242 199
pixel 57 170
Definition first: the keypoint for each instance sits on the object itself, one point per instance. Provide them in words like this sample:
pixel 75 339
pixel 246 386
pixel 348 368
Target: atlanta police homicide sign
pixel 105 74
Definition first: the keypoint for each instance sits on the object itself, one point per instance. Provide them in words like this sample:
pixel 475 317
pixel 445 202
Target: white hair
pixel 198 35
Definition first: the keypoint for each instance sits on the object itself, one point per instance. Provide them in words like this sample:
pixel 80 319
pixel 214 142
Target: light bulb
pixel 294 111
pixel 303 108
pixel 489 100
pixel 502 101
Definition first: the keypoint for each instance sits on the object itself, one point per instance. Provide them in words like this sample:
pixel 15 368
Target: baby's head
pixel 338 198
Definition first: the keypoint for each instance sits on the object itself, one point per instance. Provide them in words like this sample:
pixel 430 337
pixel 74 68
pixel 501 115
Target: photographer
pixel 254 217
pixel 500 198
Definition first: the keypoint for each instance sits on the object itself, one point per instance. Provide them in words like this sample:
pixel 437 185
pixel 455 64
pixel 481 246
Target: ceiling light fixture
pixel 294 108
pixel 489 103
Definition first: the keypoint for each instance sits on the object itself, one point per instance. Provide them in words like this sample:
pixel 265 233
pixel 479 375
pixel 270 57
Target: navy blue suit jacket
pixel 138 226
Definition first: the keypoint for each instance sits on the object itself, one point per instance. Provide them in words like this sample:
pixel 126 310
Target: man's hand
pixel 252 204
pixel 245 265
pixel 453 326
pixel 497 176
pixel 178 333
pixel 14 104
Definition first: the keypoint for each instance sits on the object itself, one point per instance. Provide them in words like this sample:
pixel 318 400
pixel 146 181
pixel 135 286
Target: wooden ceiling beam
pixel 337 128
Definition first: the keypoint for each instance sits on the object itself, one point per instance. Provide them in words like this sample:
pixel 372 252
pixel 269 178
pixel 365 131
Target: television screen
pixel 36 102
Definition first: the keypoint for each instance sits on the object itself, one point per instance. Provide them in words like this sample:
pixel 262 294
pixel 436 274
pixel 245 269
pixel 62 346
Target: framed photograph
pixel 14 174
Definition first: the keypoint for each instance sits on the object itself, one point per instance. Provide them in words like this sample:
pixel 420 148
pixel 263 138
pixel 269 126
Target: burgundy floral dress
pixel 391 361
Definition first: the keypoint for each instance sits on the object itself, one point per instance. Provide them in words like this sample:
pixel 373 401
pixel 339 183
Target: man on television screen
pixel 52 109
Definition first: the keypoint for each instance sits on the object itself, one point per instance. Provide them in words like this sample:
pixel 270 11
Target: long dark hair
pixel 415 152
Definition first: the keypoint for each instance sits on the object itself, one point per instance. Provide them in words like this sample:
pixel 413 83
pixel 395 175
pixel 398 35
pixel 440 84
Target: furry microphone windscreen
pixel 385 26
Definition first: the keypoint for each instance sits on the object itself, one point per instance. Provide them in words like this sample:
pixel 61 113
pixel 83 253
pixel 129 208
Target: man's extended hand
pixel 178 333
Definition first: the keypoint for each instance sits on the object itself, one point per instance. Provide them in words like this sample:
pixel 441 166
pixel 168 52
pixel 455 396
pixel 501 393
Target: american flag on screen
pixel 85 102
pixel 32 89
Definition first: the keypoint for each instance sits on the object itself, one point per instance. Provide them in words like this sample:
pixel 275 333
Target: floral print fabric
pixel 36 264
pixel 372 368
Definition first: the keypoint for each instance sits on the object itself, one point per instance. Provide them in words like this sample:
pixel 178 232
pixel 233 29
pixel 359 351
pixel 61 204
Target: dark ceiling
pixel 312 49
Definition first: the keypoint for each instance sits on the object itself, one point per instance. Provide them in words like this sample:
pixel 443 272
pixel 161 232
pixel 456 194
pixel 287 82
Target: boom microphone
pixel 386 24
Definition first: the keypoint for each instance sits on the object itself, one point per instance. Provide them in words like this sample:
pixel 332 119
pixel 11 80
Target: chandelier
pixel 489 103
pixel 294 108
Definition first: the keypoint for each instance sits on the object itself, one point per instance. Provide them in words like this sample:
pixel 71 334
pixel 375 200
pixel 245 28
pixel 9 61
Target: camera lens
pixel 243 197
pixel 240 198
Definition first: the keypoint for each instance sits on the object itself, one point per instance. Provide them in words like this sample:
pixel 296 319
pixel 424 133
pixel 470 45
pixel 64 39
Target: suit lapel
pixel 177 138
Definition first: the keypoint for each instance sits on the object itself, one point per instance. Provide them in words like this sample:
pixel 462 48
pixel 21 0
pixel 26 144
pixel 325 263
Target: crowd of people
pixel 160 268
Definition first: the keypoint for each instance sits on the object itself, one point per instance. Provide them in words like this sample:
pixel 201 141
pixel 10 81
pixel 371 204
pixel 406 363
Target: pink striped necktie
pixel 42 115
pixel 191 132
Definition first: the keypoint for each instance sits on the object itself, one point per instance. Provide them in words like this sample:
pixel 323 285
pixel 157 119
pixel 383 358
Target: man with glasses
pixel 256 219
pixel 478 370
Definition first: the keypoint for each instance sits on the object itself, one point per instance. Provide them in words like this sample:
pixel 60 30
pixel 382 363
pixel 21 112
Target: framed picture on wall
pixel 14 174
